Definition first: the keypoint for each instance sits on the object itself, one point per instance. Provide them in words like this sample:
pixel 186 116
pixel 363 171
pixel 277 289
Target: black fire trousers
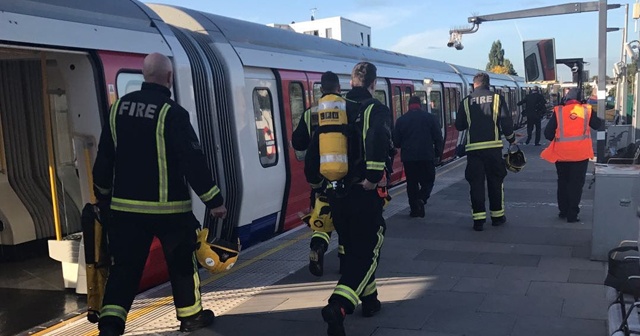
pixel 420 178
pixel 486 164
pixel 130 237
pixel 571 178
pixel 322 238
pixel 531 122
pixel 360 225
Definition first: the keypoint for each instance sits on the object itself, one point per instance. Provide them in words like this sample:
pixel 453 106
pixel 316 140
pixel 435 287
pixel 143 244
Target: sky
pixel 421 28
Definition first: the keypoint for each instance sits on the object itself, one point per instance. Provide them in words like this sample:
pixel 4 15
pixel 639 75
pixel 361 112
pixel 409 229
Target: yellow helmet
pixel 320 218
pixel 217 256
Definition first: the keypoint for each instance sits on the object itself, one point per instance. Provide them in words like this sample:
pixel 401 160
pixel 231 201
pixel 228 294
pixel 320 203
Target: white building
pixel 337 28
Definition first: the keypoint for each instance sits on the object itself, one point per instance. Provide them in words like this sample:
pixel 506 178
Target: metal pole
pixel 636 109
pixel 625 86
pixel 602 73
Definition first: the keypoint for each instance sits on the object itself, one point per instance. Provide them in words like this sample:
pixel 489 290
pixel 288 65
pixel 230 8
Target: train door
pixel 297 94
pixel 401 91
pixel 451 97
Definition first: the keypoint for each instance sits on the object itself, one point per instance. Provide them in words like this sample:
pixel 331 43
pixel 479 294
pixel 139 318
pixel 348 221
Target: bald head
pixel 157 69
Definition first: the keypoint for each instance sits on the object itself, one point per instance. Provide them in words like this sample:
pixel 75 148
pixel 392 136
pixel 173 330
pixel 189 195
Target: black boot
pixel 198 321
pixel 370 307
pixel 497 221
pixel 478 225
pixel 334 315
pixel 316 259
pixel 107 331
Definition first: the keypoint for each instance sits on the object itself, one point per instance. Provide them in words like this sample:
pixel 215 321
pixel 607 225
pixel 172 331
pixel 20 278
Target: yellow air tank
pixel 332 120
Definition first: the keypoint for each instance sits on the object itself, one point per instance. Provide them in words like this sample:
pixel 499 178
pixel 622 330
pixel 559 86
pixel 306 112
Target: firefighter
pixel 148 152
pixel 355 202
pixel 329 83
pixel 570 149
pixel 485 115
pixel 535 109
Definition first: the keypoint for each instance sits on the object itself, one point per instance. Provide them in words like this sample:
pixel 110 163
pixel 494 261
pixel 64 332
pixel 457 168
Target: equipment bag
pixel 621 268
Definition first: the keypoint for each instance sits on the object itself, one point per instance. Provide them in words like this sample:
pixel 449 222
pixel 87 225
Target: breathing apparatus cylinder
pixel 332 120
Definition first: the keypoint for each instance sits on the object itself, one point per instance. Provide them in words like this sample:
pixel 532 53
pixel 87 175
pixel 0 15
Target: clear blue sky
pixel 420 28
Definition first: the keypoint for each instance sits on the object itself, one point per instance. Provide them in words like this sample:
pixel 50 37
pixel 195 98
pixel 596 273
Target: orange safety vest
pixel 573 137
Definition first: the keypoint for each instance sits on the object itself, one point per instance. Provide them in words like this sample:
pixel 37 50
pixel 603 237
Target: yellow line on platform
pixel 59 325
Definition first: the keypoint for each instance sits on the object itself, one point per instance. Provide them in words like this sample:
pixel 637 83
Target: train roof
pixel 124 14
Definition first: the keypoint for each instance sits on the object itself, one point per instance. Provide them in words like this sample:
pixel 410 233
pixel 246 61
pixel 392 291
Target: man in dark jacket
pixel 485 115
pixel 355 203
pixel 418 136
pixel 148 152
pixel 535 108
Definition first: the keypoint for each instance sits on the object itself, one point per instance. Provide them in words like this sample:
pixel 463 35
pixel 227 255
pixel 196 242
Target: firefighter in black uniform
pixel 485 115
pixel 147 153
pixel 355 202
pixel 329 83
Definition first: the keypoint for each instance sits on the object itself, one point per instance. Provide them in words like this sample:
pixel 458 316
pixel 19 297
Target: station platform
pixel 436 277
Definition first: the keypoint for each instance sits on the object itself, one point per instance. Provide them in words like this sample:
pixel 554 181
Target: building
pixel 337 28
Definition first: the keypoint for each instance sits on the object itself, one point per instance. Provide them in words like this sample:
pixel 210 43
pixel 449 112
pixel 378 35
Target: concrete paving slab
pixel 558 326
pixel 521 305
pixel 494 286
pixel 586 276
pixel 471 323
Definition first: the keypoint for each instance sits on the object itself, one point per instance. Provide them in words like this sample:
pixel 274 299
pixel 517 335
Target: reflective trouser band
pixel 163 175
pixel 112 122
pixel 322 235
pixel 498 213
pixel 197 306
pixel 484 145
pixel 209 195
pixel 102 191
pixel 342 158
pixel 479 215
pixel 340 249
pixel 149 207
pixel 113 310
pixel 370 289
pixel 374 262
pixel 374 165
pixel 347 293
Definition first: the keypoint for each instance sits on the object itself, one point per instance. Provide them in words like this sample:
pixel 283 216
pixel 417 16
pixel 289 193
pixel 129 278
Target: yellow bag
pixel 320 218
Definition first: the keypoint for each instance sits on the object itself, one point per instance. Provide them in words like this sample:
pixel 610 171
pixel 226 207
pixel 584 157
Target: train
pixel 245 85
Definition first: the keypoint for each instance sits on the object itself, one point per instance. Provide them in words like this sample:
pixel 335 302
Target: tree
pixel 497 60
pixel 499 69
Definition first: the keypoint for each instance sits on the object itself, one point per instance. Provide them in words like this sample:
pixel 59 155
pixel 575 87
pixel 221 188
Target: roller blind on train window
pixel 296 103
pixel 265 131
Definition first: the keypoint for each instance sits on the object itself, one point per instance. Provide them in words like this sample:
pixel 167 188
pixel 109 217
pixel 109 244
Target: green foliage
pixel 497 61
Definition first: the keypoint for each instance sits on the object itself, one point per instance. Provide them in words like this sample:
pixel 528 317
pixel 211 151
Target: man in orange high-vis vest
pixel 570 149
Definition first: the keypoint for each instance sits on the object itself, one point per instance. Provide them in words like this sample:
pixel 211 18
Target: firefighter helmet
pixel 217 256
pixel 515 160
pixel 320 217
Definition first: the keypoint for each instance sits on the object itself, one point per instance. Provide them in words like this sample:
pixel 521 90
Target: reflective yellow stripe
pixel 509 137
pixel 112 122
pixel 307 119
pixel 197 306
pixel 340 249
pixel 375 165
pixel 374 262
pixel 365 127
pixel 484 145
pixel 496 113
pixel 347 293
pixel 163 177
pixel 370 289
pixel 209 195
pixel 498 213
pixel 322 235
pixel 316 185
pixel 479 215
pixel 150 207
pixel 113 310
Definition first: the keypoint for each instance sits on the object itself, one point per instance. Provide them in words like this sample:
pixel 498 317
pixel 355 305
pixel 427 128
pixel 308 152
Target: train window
pixel 317 93
pixel 435 101
pixel 531 66
pixel 423 98
pixel 455 105
pixel 397 102
pixel 265 131
pixel 381 95
pixel 296 103
pixel 405 100
pixel 127 82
